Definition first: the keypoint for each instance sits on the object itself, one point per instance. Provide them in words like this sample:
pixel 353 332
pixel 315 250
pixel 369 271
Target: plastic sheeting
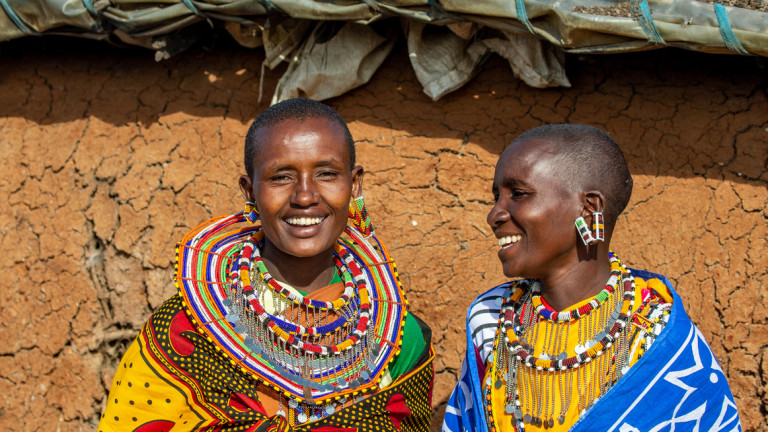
pixel 333 46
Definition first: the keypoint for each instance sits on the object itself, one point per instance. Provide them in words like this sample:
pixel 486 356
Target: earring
pixel 584 232
pixel 598 226
pixel 359 217
pixel 250 212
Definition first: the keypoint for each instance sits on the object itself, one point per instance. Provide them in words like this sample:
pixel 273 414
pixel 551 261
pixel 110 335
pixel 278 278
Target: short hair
pixel 299 109
pixel 589 159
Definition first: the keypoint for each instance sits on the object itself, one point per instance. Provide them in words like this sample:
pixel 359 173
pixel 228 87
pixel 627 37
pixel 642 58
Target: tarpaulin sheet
pixel 333 46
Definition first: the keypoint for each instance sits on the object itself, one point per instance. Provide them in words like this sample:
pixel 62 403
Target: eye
pixel 327 174
pixel 519 194
pixel 280 178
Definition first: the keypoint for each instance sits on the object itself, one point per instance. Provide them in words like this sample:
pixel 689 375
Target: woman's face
pixel 534 214
pixel 302 185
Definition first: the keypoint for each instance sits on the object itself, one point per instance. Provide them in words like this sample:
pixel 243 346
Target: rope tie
pixel 191 6
pixel 89 5
pixel 16 18
pixel 726 32
pixel 522 15
pixel 642 13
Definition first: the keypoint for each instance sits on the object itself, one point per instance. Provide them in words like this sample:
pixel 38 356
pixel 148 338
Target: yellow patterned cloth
pixel 579 383
pixel 174 379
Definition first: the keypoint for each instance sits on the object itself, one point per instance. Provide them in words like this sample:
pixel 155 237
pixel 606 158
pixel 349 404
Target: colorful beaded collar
pixel 205 259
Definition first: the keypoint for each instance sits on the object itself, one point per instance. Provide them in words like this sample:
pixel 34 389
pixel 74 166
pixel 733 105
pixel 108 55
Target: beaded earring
pixel 598 226
pixel 584 232
pixel 359 217
pixel 250 212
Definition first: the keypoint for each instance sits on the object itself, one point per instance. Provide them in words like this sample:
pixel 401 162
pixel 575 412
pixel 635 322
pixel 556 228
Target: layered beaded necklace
pixel 533 371
pixel 316 354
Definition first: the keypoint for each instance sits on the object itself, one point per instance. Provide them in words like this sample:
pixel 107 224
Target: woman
pixel 298 322
pixel 561 348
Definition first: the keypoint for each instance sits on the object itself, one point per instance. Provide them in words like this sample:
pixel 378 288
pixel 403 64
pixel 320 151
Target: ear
pixel 594 201
pixel 246 187
pixel 357 181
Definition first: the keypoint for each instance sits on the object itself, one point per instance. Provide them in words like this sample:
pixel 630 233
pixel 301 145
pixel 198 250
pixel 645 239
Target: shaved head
pixel 588 159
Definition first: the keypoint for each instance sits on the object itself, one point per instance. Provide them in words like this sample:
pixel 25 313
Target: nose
pixel 497 216
pixel 305 193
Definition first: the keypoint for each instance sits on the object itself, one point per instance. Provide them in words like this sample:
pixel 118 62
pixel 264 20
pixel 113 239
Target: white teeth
pixel 304 221
pixel 508 240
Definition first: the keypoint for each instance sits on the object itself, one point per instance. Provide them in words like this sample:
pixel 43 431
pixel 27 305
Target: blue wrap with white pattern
pixel 677 385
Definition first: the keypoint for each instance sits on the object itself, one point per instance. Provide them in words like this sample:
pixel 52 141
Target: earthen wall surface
pixel 108 158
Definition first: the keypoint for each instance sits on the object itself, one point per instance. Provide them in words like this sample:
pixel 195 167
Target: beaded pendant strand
pixel 534 382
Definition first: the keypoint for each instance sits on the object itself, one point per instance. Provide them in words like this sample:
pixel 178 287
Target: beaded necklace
pixel 530 379
pixel 316 354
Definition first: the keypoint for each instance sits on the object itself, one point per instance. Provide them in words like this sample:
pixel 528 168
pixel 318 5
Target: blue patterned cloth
pixel 677 385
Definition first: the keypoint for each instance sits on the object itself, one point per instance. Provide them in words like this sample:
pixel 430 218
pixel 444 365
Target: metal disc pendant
pixel 330 409
pixel 527 418
pixel 227 302
pixel 509 408
pixel 280 413
pixel 302 418
pixel 579 349
pixel 293 403
pixel 545 424
pixel 561 419
pixel 518 413
pixel 341 381
pixel 498 384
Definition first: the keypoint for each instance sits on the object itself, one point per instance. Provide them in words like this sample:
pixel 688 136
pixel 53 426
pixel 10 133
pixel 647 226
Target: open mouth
pixel 304 221
pixel 508 241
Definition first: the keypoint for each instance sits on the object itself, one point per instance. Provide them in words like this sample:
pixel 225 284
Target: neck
pixel 306 274
pixel 584 279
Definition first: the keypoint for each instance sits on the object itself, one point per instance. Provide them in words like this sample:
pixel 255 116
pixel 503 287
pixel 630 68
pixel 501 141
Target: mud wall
pixel 108 158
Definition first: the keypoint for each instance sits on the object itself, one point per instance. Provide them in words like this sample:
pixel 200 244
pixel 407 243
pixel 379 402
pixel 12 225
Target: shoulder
pixel 655 285
pixel 483 318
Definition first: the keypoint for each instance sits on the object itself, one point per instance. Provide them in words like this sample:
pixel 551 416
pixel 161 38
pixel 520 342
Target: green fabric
pixel 413 346
pixel 413 342
pixel 336 279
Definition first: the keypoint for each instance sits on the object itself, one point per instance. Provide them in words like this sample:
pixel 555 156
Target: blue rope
pixel 522 15
pixel 16 18
pixel 642 13
pixel 726 31
pixel 191 6
pixel 89 5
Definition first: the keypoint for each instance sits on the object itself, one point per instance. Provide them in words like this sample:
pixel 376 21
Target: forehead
pixel 297 138
pixel 528 160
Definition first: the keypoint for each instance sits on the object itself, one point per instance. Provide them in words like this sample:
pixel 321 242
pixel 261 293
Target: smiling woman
pixel 296 322
pixel 577 340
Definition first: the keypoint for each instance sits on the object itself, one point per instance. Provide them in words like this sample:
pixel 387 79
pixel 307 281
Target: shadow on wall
pixel 711 112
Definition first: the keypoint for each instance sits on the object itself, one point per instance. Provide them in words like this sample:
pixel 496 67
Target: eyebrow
pixel 511 181
pixel 283 167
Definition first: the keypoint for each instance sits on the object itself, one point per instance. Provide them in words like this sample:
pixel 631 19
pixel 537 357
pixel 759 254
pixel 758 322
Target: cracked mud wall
pixel 108 158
